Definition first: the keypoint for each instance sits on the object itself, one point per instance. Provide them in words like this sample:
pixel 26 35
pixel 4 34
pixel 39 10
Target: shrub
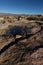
pixel 3 22
pixel 41 18
pixel 32 18
pixel 10 26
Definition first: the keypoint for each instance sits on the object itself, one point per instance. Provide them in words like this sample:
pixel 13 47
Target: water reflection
pixel 17 30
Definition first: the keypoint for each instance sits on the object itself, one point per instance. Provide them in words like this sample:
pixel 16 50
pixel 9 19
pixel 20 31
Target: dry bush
pixel 4 22
pixel 10 26
pixel 41 18
pixel 32 18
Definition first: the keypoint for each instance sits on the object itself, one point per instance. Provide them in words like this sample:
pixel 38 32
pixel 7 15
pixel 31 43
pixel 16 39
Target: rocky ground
pixel 23 51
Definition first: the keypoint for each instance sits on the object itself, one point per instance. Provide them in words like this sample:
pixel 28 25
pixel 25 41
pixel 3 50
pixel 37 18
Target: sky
pixel 21 6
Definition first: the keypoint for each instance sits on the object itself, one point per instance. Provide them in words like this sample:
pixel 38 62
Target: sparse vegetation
pixel 32 18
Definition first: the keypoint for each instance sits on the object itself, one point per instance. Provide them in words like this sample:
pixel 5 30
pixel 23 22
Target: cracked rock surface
pixel 23 51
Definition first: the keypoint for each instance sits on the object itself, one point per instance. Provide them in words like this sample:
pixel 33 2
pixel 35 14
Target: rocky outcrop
pixel 23 51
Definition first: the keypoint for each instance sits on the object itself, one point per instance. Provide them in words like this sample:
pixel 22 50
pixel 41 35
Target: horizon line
pixel 21 13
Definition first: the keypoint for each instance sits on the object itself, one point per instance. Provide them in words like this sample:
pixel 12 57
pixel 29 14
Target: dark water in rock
pixel 17 30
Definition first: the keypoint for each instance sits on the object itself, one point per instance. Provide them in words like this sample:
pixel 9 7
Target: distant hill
pixel 6 14
pixel 10 14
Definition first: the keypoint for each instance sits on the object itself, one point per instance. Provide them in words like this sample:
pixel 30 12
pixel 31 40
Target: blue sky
pixel 21 6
